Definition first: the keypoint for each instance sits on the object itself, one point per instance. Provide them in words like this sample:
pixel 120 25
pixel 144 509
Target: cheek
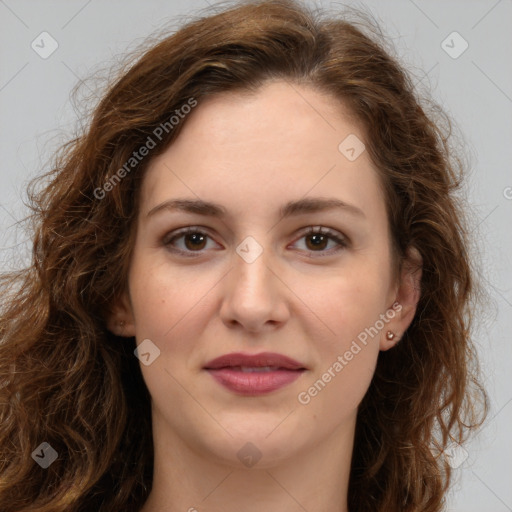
pixel 346 332
pixel 169 307
pixel 346 357
pixel 345 303
pixel 161 296
pixel 167 310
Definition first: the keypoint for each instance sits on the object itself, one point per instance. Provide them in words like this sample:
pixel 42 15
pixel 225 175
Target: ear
pixel 120 320
pixel 407 295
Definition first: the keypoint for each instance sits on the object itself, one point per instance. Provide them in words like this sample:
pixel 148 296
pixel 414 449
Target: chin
pixel 252 445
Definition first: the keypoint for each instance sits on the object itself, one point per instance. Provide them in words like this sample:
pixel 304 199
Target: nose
pixel 254 295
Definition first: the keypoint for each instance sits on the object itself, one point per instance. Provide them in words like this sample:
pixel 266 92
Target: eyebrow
pixel 292 208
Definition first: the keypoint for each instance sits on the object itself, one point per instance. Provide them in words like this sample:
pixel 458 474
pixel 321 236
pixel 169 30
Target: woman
pixel 184 340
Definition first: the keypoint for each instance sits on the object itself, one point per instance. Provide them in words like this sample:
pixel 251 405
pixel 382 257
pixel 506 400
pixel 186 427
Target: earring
pixel 390 335
pixel 121 323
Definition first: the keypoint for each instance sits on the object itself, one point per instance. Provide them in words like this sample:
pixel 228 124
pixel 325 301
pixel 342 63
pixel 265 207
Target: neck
pixel 189 479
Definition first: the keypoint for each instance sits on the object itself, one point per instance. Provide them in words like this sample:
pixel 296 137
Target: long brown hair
pixel 69 382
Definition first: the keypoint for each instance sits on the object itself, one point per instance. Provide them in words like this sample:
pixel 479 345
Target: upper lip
pixel 254 361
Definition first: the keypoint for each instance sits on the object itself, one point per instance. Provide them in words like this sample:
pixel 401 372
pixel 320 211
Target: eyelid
pixel 334 235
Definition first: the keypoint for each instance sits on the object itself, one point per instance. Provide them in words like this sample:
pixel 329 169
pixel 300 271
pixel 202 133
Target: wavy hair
pixel 66 380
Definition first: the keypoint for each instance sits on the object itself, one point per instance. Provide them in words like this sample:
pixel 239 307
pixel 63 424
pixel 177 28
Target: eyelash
pixel 333 235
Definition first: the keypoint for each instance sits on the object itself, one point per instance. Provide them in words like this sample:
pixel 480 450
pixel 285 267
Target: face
pixel 252 281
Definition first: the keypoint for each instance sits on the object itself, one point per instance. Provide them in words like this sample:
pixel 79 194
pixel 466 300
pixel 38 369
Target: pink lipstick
pixel 256 374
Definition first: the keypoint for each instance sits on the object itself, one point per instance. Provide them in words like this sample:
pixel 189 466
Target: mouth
pixel 254 374
pixel 249 369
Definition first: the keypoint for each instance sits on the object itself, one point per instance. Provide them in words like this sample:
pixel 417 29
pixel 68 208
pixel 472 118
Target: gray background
pixel 475 88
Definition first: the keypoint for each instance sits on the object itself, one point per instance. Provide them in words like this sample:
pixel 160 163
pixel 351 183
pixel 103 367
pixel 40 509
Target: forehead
pixel 252 148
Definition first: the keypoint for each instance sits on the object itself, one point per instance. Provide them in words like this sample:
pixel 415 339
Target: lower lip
pixel 254 383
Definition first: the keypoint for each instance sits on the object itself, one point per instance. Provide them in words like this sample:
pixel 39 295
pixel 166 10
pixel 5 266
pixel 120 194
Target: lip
pixel 226 370
pixel 254 361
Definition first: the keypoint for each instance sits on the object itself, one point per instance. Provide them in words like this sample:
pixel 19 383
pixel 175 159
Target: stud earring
pixel 390 335
pixel 121 323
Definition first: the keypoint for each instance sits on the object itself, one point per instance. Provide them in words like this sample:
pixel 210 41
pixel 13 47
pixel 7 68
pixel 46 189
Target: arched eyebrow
pixel 292 208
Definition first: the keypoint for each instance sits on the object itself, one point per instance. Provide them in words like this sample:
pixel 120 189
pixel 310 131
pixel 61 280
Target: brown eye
pixel 194 240
pixel 318 238
pixel 317 241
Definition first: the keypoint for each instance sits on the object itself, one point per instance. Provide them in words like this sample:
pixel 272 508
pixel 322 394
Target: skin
pixel 252 154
